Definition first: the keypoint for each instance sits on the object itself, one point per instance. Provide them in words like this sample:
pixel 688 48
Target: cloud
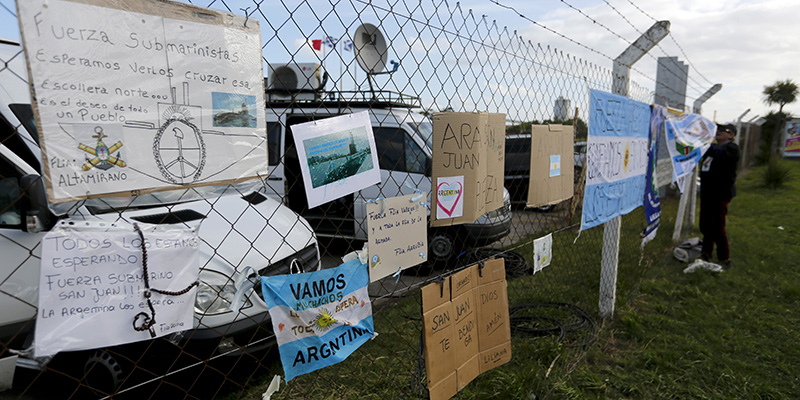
pixel 743 45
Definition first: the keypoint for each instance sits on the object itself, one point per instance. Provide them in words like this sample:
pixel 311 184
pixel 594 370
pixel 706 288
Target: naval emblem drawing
pixel 103 158
pixel 144 110
pixel 178 147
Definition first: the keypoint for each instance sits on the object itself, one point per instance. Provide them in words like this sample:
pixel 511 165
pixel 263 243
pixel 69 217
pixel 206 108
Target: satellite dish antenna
pixel 370 48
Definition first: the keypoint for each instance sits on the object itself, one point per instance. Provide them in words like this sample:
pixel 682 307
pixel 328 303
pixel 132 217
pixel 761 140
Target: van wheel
pixel 441 248
pixel 102 373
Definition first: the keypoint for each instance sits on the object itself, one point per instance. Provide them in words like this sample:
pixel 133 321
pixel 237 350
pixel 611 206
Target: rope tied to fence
pixel 149 320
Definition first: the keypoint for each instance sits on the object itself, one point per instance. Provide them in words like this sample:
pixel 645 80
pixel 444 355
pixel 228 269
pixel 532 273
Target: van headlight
pixel 215 293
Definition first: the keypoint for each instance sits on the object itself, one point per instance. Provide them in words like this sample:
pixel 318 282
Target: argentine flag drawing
pixel 616 157
pixel 319 318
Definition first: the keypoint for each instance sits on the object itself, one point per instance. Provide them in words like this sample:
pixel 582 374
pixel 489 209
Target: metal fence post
pixel 611 229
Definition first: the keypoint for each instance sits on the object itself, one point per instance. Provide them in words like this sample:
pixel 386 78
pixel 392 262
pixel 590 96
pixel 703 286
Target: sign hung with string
pixel 106 285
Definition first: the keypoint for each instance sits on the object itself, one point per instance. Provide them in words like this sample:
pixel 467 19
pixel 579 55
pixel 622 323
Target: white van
pixel 239 227
pixel 403 140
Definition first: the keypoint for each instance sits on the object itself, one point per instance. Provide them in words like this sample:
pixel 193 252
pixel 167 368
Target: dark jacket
pixel 718 171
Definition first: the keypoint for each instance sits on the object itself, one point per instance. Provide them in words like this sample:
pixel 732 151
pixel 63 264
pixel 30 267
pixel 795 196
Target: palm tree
pixel 781 93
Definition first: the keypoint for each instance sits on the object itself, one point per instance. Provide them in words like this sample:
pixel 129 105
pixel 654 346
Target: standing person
pixel 717 177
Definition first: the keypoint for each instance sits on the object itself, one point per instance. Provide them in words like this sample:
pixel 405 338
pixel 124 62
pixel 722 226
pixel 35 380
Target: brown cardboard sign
pixel 466 325
pixel 552 166
pixel 496 161
pixel 468 164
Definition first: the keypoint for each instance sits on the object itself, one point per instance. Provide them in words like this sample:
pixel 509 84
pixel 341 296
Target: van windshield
pixel 424 129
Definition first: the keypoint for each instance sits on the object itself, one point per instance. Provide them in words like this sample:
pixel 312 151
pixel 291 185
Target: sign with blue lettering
pixel 319 318
pixel 616 157
pixel 652 201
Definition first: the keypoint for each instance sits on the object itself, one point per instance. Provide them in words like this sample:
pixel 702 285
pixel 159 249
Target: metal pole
pixel 611 229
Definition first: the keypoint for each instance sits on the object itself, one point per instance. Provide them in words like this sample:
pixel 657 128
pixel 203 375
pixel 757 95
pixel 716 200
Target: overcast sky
pixel 742 44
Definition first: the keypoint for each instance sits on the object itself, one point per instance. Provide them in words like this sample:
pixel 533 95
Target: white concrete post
pixel 690 220
pixel 611 229
pixel 698 104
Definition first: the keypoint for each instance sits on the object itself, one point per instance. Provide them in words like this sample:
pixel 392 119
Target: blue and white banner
pixel 652 201
pixel 616 157
pixel 319 318
pixel 688 137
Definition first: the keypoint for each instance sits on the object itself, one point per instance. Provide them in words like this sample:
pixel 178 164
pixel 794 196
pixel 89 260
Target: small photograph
pixel 337 156
pixel 234 110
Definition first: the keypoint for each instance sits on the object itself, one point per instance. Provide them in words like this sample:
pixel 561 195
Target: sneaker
pixel 705 257
pixel 726 264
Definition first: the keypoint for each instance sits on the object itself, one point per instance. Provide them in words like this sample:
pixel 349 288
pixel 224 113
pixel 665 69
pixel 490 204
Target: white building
pixel 671 80
pixel 561 109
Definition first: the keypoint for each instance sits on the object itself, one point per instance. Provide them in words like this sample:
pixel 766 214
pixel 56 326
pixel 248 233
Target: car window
pixel 274 142
pixel 390 143
pixel 10 195
pixel 518 155
pixel 415 157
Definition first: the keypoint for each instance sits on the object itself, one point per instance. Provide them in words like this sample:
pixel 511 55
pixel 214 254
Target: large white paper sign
pixel 132 101
pixel 337 156
pixel 92 285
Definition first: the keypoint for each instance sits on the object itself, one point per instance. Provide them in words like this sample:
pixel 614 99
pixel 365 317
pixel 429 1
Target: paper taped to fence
pixel 337 156
pixel 397 231
pixel 552 172
pixel 143 96
pixel 92 285
pixel 688 138
pixel 616 157
pixel 466 327
pixel 319 318
pixel 542 252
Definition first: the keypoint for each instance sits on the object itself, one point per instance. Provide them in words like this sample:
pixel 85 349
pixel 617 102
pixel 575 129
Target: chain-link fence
pixel 440 57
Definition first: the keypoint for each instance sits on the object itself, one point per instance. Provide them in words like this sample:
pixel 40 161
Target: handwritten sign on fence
pixel 140 96
pixel 397 232
pixel 468 162
pixel 466 326
pixel 91 286
pixel 616 157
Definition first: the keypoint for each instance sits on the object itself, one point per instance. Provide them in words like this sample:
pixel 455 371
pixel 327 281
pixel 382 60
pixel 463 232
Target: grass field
pixel 729 335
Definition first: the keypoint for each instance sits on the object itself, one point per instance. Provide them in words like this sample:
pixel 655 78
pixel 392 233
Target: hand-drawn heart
pixel 448 203
pixel 280 327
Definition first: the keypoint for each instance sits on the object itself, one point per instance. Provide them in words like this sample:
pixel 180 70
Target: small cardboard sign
pixel 552 171
pixel 468 165
pixel 466 326
pixel 397 233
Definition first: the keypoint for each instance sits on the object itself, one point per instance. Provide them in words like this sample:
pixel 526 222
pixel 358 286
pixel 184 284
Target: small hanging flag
pixel 348 45
pixel 316 44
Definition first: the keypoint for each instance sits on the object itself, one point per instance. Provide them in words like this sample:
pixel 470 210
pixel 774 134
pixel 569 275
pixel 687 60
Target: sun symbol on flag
pixel 627 158
pixel 323 321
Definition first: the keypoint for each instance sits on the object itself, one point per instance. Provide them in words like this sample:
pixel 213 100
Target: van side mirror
pixel 37 215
